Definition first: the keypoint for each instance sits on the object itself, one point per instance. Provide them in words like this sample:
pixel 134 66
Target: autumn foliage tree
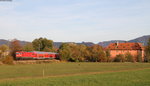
pixel 129 57
pixel 14 47
pixel 8 60
pixel 96 54
pixel 108 55
pixel 3 50
pixel 119 58
pixel 83 52
pixel 74 52
pixel 65 52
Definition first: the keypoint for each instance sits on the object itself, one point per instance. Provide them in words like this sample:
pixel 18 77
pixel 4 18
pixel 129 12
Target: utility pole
pixel 44 69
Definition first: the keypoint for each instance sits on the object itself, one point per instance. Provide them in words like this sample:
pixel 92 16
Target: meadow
pixel 76 74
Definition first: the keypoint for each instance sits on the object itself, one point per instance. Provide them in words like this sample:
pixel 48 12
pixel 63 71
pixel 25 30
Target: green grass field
pixel 76 74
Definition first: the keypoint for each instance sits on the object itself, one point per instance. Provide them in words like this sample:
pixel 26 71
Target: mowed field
pixel 76 74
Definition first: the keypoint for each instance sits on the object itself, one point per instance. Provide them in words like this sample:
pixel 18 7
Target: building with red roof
pixel 134 49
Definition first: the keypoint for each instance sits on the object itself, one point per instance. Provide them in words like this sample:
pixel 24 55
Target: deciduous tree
pixel 28 47
pixel 41 43
pixel 129 57
pixel 65 52
pixel 108 55
pixel 14 47
pixel 97 54
pixel 139 56
pixel 119 58
pixel 147 51
pixel 3 50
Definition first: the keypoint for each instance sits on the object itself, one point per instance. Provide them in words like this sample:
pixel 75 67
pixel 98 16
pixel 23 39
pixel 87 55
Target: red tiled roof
pixel 125 46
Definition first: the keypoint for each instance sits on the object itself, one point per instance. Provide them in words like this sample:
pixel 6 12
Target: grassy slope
pixel 131 76
pixel 54 69
pixel 128 78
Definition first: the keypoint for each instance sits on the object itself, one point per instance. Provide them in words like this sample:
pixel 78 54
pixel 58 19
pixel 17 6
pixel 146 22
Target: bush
pixel 8 60
pixel 82 59
pixel 129 57
pixel 73 60
pixel 139 57
pixel 119 58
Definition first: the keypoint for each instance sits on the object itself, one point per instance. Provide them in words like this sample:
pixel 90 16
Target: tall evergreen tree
pixel 147 51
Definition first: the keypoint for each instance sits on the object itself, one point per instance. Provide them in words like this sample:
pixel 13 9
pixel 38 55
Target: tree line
pixel 67 51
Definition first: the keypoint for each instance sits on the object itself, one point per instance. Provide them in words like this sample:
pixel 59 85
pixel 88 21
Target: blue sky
pixel 74 20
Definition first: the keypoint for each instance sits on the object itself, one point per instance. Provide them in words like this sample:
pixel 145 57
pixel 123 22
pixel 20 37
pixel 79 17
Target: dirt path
pixel 75 74
pixel 103 72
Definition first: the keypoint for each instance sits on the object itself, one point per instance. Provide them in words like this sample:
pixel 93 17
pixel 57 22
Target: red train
pixel 22 55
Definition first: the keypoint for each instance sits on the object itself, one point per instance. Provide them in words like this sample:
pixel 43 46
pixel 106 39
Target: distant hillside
pixel 2 41
pixel 87 43
pixel 106 43
pixel 57 44
pixel 143 40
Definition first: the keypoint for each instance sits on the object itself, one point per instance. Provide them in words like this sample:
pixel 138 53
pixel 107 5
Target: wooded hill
pixel 143 40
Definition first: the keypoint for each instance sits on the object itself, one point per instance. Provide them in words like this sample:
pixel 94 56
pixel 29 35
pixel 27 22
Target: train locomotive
pixel 35 55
